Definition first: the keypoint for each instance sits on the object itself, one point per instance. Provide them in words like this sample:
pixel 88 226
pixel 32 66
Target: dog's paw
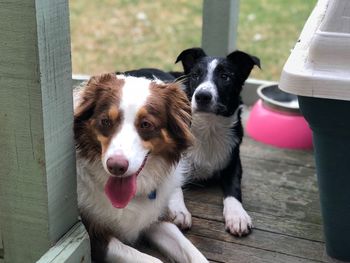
pixel 237 220
pixel 180 216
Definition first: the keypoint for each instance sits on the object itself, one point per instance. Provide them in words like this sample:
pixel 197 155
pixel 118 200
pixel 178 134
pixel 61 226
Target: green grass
pixel 109 35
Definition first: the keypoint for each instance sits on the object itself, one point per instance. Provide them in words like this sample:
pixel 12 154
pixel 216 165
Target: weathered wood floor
pixel 280 194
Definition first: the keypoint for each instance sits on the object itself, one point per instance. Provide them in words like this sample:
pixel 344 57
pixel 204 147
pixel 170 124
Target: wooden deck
pixel 280 194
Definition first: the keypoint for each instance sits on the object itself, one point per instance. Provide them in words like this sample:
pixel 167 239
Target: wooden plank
pixel 72 247
pixel 280 174
pixel 1 246
pixel 281 190
pixel 271 223
pixel 37 181
pixel 283 244
pixel 272 211
pixel 257 150
pixel 278 200
pixel 271 188
pixel 219 31
pixel 234 253
pixel 146 248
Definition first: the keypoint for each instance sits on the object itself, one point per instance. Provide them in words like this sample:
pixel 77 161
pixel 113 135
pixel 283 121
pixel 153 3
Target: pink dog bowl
pixel 276 120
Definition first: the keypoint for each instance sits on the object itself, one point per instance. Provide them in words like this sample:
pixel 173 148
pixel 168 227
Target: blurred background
pixel 118 35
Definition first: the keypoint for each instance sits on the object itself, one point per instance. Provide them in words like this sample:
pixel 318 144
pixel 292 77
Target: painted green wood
pixel 37 180
pixel 219 31
pixel 1 246
pixel 71 248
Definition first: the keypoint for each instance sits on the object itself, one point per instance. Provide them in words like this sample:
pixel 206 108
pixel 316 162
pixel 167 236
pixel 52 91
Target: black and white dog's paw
pixel 237 220
pixel 179 215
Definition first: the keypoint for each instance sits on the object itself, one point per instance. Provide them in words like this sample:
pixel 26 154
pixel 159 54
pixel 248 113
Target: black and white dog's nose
pixel 203 97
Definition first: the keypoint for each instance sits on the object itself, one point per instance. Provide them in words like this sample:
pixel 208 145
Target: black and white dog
pixel 213 85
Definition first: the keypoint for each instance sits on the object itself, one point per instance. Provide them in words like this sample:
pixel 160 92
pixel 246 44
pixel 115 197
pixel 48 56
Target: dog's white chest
pixel 214 141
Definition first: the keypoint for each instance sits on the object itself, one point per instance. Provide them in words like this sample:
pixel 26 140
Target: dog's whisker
pixel 181 79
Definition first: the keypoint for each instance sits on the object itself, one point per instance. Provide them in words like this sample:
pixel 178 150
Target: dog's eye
pixel 225 76
pixel 146 125
pixel 195 76
pixel 105 122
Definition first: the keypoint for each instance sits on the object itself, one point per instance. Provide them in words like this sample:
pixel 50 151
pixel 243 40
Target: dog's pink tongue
pixel 121 190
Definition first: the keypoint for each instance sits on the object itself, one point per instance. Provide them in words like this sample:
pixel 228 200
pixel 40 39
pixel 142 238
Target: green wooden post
pixel 220 21
pixel 1 247
pixel 37 158
pixel 72 248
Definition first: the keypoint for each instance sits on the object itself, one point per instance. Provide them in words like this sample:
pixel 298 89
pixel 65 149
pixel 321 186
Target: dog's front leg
pixel 178 212
pixel 119 252
pixel 170 240
pixel 237 220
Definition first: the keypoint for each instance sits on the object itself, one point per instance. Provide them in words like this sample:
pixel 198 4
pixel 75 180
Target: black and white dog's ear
pixel 188 57
pixel 244 61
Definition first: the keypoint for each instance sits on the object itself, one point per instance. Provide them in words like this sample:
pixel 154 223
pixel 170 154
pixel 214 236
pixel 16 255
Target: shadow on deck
pixel 280 194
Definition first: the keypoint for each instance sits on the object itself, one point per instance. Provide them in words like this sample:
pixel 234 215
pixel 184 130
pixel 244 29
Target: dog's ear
pixel 188 57
pixel 87 96
pixel 244 61
pixel 84 101
pixel 179 116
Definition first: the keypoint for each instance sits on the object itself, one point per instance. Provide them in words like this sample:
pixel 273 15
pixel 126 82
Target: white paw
pixel 178 212
pixel 237 220
pixel 180 216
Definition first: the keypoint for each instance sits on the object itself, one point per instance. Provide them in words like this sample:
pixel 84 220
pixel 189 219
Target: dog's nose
pixel 117 165
pixel 203 98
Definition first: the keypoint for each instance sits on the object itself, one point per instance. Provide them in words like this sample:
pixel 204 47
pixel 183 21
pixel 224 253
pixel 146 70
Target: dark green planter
pixel 330 122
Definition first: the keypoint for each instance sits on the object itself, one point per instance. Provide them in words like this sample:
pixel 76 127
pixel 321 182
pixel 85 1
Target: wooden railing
pixel 38 209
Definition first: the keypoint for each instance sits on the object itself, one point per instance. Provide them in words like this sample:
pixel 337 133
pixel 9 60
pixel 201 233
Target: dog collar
pixel 152 195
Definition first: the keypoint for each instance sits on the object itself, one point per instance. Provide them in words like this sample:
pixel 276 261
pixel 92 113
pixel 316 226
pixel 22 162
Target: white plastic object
pixel 319 64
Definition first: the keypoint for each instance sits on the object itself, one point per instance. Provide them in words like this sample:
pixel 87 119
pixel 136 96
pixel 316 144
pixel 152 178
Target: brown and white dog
pixel 130 133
